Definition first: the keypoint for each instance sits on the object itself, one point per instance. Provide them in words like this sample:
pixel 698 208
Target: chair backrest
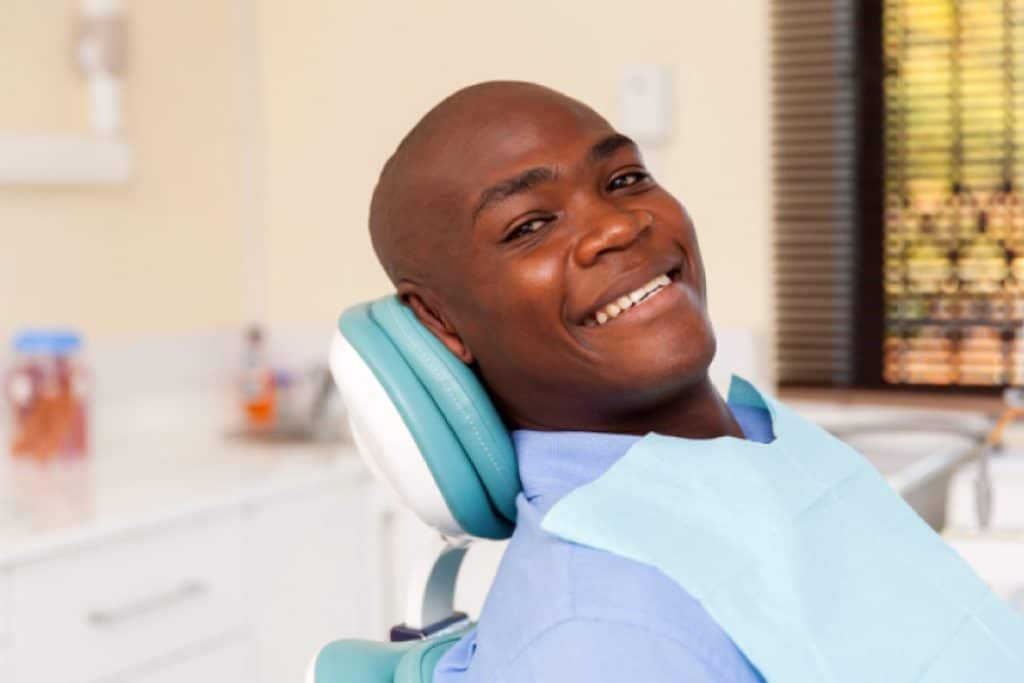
pixel 423 422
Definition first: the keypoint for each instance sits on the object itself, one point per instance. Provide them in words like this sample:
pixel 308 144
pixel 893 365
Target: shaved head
pixel 415 209
pixel 526 234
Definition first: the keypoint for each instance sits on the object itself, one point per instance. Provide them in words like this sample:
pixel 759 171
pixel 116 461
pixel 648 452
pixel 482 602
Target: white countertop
pixel 163 460
pixel 155 473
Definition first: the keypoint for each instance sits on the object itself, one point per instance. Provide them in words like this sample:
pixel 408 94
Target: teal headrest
pixel 447 411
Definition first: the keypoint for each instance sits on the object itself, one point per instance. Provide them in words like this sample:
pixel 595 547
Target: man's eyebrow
pixel 608 146
pixel 512 186
pixel 532 177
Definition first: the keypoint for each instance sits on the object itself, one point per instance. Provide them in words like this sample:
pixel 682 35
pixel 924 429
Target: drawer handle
pixel 186 592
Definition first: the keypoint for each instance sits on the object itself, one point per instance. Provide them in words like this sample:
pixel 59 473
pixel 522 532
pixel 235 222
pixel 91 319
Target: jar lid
pixel 57 342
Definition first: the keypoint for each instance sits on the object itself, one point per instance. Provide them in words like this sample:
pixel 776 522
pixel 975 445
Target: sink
pixel 999 560
pixel 918 451
pixel 919 464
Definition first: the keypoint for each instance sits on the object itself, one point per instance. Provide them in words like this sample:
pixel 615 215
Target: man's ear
pixel 434 319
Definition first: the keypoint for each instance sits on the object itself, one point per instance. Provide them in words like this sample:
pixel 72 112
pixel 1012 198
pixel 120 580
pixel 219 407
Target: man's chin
pixel 662 363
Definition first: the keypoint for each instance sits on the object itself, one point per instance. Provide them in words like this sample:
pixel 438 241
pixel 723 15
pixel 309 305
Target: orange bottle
pixel 259 395
pixel 47 391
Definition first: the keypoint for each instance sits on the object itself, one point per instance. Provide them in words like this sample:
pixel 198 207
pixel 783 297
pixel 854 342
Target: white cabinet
pixel 122 603
pixel 243 588
pixel 309 577
pixel 6 672
pixel 5 611
pixel 227 662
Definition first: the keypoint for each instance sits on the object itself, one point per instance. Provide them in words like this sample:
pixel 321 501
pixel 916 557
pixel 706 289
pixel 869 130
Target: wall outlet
pixel 645 103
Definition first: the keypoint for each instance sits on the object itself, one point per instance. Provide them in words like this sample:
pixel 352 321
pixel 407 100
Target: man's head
pixel 514 221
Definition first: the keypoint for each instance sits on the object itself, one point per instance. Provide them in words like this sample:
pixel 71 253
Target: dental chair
pixel 426 427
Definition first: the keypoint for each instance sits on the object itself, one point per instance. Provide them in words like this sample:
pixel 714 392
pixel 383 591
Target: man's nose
pixel 611 231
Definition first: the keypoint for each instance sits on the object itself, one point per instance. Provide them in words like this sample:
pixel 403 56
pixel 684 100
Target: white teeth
pixel 626 301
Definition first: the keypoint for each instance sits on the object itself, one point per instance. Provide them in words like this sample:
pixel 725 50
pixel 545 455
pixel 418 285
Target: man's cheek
pixel 537 273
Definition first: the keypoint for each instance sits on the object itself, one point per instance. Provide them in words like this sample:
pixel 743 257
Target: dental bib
pixel 802 553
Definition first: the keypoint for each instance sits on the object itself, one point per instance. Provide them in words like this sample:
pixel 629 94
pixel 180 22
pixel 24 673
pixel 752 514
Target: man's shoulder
pixel 538 564
pixel 550 594
pixel 544 581
pixel 613 649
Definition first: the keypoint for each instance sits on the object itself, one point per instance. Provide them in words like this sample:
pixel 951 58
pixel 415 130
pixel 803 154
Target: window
pixel 899 220
pixel 954 221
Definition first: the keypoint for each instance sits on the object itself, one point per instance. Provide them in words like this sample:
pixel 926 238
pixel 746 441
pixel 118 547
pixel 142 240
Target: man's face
pixel 576 281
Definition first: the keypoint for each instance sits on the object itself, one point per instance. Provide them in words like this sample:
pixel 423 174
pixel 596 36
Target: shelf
pixel 63 160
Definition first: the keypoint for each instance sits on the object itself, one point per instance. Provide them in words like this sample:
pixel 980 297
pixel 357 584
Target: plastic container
pixel 259 395
pixel 47 391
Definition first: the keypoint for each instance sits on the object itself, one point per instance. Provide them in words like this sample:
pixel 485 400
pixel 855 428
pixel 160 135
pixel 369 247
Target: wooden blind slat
pixel 813 156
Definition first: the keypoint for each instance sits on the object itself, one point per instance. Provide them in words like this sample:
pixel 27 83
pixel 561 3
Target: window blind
pixel 814 160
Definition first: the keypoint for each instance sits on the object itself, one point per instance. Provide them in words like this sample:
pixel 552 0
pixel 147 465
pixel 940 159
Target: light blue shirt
pixel 566 613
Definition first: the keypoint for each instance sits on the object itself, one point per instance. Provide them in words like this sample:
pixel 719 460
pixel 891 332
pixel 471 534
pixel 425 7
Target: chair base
pixel 364 661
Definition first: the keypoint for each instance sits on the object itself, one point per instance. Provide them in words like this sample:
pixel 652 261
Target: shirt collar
pixel 551 464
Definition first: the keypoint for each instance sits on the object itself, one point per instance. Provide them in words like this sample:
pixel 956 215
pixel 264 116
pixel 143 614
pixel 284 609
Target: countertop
pixel 161 461
pixel 155 472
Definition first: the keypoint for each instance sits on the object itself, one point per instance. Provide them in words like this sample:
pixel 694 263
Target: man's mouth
pixel 624 303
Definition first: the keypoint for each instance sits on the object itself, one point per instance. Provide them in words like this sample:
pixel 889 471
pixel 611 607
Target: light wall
pixel 334 86
pixel 161 253
pixel 343 81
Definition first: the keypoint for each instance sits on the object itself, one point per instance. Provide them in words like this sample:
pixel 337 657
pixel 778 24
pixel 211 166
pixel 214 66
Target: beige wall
pixel 160 254
pixel 344 81
pixel 340 83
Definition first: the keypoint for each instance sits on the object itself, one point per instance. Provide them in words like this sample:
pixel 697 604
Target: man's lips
pixel 625 293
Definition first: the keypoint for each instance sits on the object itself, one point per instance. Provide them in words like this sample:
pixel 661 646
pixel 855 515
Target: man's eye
pixel 526 228
pixel 627 179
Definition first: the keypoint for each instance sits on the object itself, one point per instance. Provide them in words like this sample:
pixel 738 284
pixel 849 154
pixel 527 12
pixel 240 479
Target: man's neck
pixel 699 413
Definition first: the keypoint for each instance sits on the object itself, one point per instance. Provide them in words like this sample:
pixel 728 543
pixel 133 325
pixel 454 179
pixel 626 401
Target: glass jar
pixel 47 393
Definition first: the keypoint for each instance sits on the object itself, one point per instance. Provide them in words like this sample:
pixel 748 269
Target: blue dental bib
pixel 803 554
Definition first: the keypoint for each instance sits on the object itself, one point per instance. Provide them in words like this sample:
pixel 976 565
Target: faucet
pixel 1013 398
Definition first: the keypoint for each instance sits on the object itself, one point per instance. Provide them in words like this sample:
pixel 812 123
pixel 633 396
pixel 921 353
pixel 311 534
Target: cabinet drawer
pixel 229 662
pixel 116 605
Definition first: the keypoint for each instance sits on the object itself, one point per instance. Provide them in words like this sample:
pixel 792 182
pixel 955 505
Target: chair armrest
pixel 357 661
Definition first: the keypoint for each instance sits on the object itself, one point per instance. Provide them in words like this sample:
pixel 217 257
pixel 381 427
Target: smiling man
pixel 527 235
